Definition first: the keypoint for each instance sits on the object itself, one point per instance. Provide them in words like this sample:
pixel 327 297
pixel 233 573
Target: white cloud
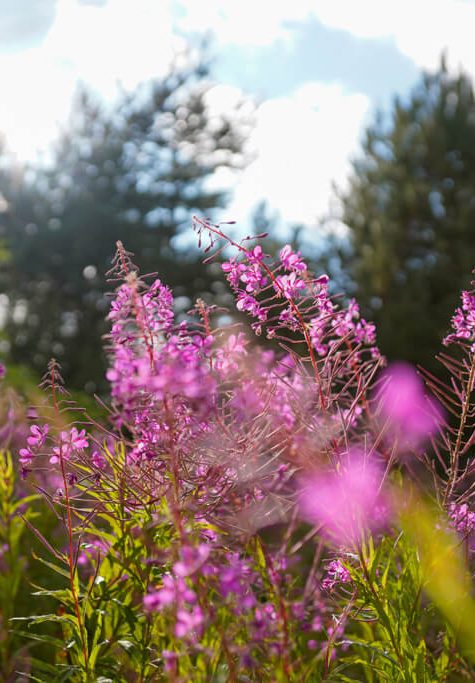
pixel 120 42
pixel 421 29
pixel 242 22
pixel 35 97
pixel 303 143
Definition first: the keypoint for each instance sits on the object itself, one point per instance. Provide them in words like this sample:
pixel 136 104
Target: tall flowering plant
pixel 263 512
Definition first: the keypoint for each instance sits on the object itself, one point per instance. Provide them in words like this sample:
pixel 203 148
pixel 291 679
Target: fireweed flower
pixel 292 260
pixel 26 456
pixel 35 441
pixel 69 443
pixel 98 460
pixel 176 593
pixel 410 414
pixel 229 355
pixel 158 372
pixel 192 559
pixel 289 285
pixel 463 321
pixel 336 574
pixel 462 519
pixel 272 293
pixel 174 590
pixel 236 579
pixel 348 502
pixel 37 435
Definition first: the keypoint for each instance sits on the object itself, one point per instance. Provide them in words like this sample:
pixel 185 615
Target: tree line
pixel 136 171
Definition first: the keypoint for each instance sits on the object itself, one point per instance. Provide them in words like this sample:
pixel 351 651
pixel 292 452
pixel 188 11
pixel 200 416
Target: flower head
pixel 411 415
pixel 37 435
pixel 347 502
pixel 69 443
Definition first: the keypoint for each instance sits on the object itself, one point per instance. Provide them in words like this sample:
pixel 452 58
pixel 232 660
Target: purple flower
pixel 253 278
pixel 233 271
pixel 173 591
pixel 256 255
pixel 463 321
pixel 246 302
pixel 188 621
pixel 169 660
pixel 26 456
pixel 235 579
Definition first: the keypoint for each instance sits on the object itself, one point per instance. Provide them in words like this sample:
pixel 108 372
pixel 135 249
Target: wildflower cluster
pixel 251 512
pixel 284 297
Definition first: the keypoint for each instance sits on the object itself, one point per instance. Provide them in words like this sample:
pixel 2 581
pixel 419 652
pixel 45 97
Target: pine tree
pixel 410 208
pixel 134 172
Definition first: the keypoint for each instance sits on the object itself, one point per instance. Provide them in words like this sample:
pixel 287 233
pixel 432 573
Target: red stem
pixel 69 526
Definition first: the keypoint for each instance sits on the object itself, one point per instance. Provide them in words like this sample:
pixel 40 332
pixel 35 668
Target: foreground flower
pixel 411 416
pixel 346 503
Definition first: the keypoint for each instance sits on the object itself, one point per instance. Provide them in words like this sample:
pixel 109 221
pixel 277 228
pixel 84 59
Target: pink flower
pixel 192 558
pixel 255 255
pixel 347 503
pixel 292 260
pixel 188 621
pixel 98 460
pixel 289 285
pixel 463 321
pixel 411 415
pixel 246 302
pixel 26 456
pixel 69 442
pixel 336 574
pixel 233 271
pixel 38 435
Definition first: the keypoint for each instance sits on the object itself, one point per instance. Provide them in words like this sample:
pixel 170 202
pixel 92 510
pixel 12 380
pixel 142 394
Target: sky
pixel 317 71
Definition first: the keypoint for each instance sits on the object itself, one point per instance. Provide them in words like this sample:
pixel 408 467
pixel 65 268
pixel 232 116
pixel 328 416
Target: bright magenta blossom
pixel 410 415
pixel 70 442
pixel 348 502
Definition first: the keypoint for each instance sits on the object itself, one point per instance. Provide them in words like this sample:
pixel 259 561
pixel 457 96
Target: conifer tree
pixel 136 172
pixel 410 207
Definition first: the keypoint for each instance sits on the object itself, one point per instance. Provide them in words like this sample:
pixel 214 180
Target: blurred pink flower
pixel 347 502
pixel 411 415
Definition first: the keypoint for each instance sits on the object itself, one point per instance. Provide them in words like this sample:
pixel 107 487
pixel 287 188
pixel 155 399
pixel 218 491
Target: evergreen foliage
pixel 410 207
pixel 134 171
